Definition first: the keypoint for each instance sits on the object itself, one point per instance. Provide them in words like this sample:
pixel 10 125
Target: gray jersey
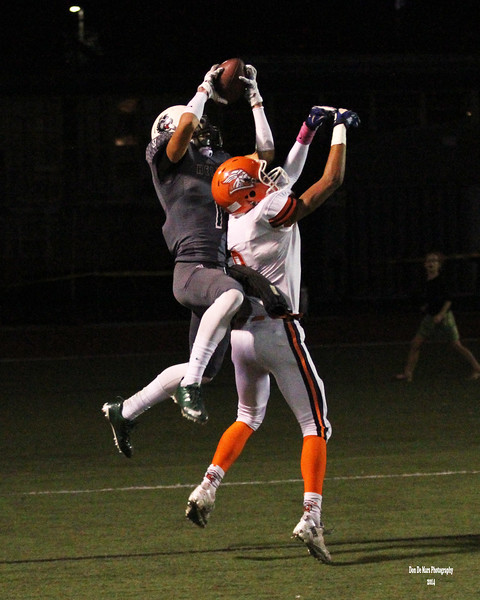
pixel 195 227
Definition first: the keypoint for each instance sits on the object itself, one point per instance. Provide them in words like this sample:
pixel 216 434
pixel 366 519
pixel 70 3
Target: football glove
pixel 347 117
pixel 319 115
pixel 208 84
pixel 252 95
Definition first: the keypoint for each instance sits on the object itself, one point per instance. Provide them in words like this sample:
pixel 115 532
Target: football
pixel 228 85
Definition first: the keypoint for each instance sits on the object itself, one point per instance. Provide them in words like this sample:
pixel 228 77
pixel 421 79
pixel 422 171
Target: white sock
pixel 312 506
pixel 161 388
pixel 202 351
pixel 213 477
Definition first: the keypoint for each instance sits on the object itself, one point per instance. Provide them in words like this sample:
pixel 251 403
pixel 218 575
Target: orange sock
pixel 231 445
pixel 313 463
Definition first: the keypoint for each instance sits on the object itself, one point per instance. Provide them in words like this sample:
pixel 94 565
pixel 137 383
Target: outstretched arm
pixel 318 116
pixel 330 181
pixel 334 171
pixel 264 144
pixel 182 136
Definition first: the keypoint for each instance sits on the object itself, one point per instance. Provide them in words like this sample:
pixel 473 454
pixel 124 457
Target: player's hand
pixel 347 118
pixel 319 115
pixel 208 84
pixel 252 95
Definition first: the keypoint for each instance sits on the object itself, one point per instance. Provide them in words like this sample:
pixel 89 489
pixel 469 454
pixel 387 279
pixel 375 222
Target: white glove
pixel 208 84
pixel 252 94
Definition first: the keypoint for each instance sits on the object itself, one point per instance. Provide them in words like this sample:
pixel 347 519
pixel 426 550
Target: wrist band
pixel 263 133
pixel 305 135
pixel 339 135
pixel 255 98
pixel 197 104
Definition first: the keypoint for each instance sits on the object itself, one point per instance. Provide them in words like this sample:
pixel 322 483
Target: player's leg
pixel 412 359
pixel 201 501
pixel 158 390
pixel 208 292
pixel 253 386
pixel 304 391
pixel 122 414
pixel 214 325
pixel 425 331
pixel 469 357
pixel 451 333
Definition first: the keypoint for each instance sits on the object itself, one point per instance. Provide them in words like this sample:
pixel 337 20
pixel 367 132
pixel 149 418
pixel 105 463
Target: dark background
pixel 132 35
pixel 80 227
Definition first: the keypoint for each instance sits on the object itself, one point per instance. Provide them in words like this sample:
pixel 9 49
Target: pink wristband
pixel 305 135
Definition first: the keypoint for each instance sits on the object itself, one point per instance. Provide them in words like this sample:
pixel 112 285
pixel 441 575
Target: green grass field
pixel 81 522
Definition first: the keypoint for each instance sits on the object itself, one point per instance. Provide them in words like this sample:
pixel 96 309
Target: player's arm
pixel 317 117
pixel 182 136
pixel 264 144
pixel 322 189
pixel 334 172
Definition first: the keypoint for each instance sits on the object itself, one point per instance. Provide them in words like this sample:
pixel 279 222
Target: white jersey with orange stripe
pixel 260 240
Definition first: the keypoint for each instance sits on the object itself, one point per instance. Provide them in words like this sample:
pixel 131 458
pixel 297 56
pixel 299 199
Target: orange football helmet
pixel 240 183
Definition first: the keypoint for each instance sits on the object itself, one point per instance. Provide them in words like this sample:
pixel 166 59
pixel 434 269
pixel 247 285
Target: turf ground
pixel 81 522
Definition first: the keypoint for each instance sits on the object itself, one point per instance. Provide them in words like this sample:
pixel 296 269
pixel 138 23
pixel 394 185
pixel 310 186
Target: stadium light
pixel 81 27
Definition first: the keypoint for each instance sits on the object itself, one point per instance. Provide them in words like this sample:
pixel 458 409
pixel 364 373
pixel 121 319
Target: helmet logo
pixel 165 123
pixel 238 180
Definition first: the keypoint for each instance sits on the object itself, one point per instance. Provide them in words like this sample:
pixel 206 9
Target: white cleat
pixel 200 504
pixel 312 536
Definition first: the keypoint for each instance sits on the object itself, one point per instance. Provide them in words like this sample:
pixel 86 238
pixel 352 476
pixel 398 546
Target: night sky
pixel 125 36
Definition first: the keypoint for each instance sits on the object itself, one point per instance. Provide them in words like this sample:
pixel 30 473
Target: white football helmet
pixel 205 134
pixel 167 120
